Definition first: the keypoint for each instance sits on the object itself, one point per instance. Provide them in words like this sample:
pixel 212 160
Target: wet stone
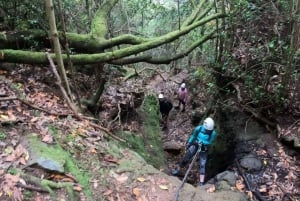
pixel 251 163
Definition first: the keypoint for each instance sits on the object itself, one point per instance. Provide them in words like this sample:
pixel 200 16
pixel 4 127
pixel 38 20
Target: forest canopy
pixel 115 33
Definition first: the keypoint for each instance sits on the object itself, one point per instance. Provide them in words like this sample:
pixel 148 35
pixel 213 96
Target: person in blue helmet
pixel 203 135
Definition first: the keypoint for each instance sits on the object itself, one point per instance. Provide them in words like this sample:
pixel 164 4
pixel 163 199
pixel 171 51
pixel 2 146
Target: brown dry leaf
pixel 211 189
pixel 136 191
pixel 62 177
pixel 4 117
pixel 11 116
pixel 77 188
pixel 19 109
pixel 275 176
pixel 20 150
pixel 22 161
pixel 10 158
pixel 92 150
pixel 9 183
pixel 2 72
pixel 17 153
pixel 1 172
pixel 291 176
pixel 111 159
pixel 48 139
pixel 38 197
pixel 142 198
pixel 34 119
pixel 163 187
pixel 17 194
pixel 261 152
pixel 121 178
pixel 141 179
pixel 108 192
pixel 161 181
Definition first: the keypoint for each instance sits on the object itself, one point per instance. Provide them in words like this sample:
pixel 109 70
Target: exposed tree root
pixel 43 185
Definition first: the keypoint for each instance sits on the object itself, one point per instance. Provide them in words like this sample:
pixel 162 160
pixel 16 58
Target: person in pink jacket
pixel 182 96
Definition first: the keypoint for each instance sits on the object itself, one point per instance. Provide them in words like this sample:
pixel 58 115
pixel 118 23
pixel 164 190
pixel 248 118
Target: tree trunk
pixel 57 50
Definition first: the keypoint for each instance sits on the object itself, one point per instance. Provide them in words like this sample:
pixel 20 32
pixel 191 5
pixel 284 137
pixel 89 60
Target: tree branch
pixel 98 25
pixel 18 56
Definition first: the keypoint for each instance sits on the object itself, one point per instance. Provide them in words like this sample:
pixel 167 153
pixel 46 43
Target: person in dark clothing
pixel 165 106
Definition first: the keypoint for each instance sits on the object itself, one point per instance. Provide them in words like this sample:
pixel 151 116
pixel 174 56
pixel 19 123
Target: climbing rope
pixel 187 172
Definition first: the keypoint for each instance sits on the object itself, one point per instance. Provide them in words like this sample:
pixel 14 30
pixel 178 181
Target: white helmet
pixel 182 85
pixel 160 96
pixel 209 124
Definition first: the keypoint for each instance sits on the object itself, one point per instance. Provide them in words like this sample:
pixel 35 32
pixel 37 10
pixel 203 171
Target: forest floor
pixel 31 103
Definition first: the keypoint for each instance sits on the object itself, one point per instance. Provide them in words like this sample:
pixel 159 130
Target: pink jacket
pixel 183 94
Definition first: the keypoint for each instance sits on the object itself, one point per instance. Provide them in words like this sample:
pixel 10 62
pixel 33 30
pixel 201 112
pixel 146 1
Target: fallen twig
pixel 59 83
pixel 33 188
pixel 8 98
pixel 117 117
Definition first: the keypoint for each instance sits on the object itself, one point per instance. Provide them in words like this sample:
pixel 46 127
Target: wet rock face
pixel 237 135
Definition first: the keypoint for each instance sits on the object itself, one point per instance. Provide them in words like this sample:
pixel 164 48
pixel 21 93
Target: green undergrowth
pixel 148 142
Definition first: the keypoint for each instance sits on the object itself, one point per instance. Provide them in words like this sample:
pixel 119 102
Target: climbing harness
pixel 189 169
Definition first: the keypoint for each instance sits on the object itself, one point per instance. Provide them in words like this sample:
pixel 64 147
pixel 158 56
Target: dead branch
pixel 157 71
pixel 33 188
pixel 8 98
pixel 258 116
pixel 117 117
pixel 251 110
pixel 237 88
pixel 107 132
pixel 147 68
pixel 59 83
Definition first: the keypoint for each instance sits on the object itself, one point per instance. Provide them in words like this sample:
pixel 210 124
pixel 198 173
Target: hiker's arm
pixel 213 137
pixel 193 136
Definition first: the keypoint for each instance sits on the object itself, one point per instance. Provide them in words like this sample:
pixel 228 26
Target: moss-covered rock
pixel 148 142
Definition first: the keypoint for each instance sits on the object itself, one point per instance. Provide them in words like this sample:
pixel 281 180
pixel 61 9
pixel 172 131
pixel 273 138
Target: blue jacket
pixel 199 135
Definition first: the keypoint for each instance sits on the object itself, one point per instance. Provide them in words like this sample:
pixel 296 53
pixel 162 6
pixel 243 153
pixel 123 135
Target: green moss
pixel 114 149
pixel 2 135
pixel 57 153
pixel 152 131
pixel 148 143
pixel 27 195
